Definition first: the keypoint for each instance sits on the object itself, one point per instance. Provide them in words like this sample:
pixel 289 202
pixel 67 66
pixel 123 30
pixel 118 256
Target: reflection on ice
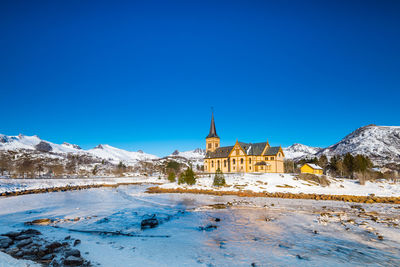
pixel 211 230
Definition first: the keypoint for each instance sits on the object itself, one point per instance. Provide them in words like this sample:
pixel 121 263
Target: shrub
pixel 171 177
pixel 219 179
pixel 187 177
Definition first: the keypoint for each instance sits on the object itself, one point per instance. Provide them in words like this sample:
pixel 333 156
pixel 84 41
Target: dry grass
pixel 285 186
pixel 345 198
pixel 315 179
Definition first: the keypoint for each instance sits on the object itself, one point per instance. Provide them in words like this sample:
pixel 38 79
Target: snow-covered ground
pixel 269 182
pixel 194 231
pixel 274 182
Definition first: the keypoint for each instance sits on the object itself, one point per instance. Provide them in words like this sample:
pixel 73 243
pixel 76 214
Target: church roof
pixel 213 130
pixel 221 152
pixel 253 149
pixel 272 151
pixel 250 149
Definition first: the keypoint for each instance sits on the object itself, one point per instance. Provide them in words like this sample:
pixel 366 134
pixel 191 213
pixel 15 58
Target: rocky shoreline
pixel 346 198
pixel 30 245
pixel 62 189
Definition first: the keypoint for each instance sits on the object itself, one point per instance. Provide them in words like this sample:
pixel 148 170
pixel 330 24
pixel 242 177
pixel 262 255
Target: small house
pixel 311 168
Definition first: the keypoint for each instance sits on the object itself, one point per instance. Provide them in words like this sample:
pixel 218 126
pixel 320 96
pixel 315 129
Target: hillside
pixel 35 145
pixel 300 151
pixel 380 143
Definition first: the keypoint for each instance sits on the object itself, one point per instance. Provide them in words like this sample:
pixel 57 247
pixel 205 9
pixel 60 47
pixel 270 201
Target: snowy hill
pixel 21 141
pixel 300 151
pixel 380 143
pixel 35 144
pixel 198 153
pixel 115 155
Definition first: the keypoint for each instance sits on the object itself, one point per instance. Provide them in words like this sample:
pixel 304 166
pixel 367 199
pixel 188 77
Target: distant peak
pixel 71 145
pixel 99 147
pixel 140 151
pixel 176 152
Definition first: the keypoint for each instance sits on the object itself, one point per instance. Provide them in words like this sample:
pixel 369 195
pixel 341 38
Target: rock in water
pixel 72 252
pixel 5 241
pixel 40 222
pixel 149 223
pixel 73 261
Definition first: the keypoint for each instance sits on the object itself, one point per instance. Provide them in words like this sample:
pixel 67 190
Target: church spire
pixel 213 130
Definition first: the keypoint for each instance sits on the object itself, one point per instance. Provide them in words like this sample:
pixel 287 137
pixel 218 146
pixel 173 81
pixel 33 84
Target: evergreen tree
pixel 187 177
pixel 219 179
pixel 362 163
pixel 323 161
pixel 171 177
pixel 348 163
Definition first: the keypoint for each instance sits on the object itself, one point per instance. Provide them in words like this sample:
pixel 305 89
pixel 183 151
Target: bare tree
pixel 4 163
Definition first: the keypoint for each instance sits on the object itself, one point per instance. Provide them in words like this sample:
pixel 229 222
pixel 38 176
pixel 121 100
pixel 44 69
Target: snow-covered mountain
pixel 300 151
pixel 198 153
pixel 107 152
pixel 380 143
pixel 116 155
pixel 21 141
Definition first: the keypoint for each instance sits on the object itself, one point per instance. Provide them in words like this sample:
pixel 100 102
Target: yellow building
pixel 241 157
pixel 311 168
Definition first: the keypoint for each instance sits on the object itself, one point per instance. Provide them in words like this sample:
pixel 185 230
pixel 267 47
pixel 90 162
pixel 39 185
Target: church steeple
pixel 212 139
pixel 213 130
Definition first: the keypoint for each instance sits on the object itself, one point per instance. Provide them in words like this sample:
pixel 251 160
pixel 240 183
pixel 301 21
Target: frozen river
pixel 193 230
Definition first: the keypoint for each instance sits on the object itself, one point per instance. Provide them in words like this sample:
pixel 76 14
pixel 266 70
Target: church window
pixel 266 158
pixel 234 161
pixel 218 164
pixel 272 158
pixel 250 161
pixel 209 145
pixel 212 164
pixel 216 145
pixel 241 161
pixel 224 163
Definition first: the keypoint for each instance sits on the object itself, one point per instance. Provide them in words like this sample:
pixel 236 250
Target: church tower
pixel 212 139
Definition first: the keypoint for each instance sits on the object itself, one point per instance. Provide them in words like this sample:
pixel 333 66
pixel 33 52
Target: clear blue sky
pixel 143 75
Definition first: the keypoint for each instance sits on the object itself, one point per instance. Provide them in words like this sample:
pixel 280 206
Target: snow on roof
pixel 314 166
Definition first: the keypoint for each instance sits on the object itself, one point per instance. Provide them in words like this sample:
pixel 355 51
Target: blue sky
pixel 144 75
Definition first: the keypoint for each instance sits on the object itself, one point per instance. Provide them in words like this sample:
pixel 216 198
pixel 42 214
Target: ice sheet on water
pixel 249 230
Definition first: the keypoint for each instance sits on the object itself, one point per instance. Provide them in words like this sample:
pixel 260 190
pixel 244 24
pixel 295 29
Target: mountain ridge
pixel 380 143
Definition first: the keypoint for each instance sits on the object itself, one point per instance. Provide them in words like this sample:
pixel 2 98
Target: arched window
pixel 234 161
pixel 224 163
pixel 209 145
pixel 212 164
pixel 249 160
pixel 218 164
pixel 241 161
